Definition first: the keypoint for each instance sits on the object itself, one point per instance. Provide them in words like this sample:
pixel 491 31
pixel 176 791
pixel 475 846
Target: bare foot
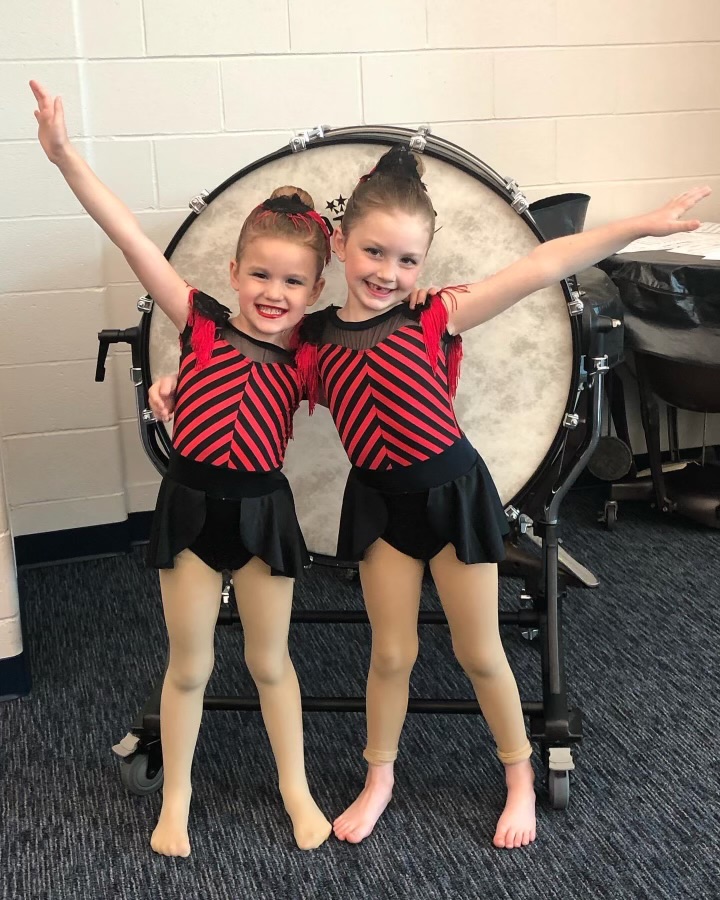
pixel 516 827
pixel 310 827
pixel 170 837
pixel 359 819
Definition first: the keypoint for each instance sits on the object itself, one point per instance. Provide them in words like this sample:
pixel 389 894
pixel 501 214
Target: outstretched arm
pixel 146 260
pixel 551 262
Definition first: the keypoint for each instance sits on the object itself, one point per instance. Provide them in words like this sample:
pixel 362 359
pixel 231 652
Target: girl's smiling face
pixel 275 280
pixel 383 256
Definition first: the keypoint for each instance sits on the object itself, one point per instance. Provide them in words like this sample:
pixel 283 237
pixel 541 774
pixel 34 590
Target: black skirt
pixel 464 511
pixel 235 517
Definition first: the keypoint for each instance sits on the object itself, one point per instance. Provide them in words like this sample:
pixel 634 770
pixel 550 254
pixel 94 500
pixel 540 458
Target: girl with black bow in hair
pixel 224 502
pixel 418 492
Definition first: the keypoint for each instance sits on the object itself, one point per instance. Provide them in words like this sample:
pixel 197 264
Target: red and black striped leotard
pixel 224 496
pixel 235 399
pixel 416 481
pixel 389 384
pixel 235 396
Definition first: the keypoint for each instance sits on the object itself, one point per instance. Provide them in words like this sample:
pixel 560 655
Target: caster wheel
pixel 137 779
pixel 609 515
pixel 559 789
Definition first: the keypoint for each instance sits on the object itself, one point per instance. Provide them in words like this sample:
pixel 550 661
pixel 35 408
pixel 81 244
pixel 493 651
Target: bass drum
pixel 520 371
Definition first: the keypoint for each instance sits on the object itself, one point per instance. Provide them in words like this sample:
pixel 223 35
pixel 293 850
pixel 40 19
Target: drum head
pixel 517 371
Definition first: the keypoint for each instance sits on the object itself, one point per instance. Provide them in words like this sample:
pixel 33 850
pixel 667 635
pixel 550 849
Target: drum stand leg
pixel 650 414
pixel 555 726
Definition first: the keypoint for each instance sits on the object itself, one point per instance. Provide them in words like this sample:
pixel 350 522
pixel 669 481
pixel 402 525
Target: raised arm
pixel 146 260
pixel 551 262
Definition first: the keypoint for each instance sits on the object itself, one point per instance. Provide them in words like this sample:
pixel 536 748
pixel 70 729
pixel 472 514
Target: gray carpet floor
pixel 644 816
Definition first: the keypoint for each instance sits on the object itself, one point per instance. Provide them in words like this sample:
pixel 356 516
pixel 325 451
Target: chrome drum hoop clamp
pixel 575 305
pixel 512 514
pixel 571 420
pixel 418 141
pixel 518 200
pixel 145 304
pixel 303 138
pixel 197 204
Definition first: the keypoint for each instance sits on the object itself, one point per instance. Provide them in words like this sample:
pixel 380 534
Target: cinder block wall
pixel 166 97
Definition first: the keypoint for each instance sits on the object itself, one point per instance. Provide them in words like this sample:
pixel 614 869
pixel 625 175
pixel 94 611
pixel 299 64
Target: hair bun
pixel 287 190
pixel 399 162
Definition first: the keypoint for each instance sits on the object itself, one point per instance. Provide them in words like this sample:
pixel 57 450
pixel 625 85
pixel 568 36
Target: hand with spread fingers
pixel 50 115
pixel 668 219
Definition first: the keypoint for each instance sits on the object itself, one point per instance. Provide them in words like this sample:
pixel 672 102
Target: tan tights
pixel 191 601
pixel 391 583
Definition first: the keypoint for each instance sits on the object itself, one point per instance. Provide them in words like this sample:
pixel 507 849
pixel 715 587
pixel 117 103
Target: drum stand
pixel 554 724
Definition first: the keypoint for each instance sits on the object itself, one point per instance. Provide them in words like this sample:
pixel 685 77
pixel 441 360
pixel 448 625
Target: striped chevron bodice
pixel 387 389
pixel 234 406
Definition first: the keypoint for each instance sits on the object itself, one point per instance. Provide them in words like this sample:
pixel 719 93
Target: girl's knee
pixel 482 662
pixel 267 669
pixel 190 674
pixel 388 661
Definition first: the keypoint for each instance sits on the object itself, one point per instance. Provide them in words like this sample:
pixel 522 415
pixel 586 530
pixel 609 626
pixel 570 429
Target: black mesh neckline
pixel 367 323
pixel 264 345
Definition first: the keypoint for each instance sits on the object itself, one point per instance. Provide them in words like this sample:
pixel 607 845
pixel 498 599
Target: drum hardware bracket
pixel 519 201
pixel 524 522
pixel 145 304
pixel 303 138
pixel 578 569
pixel 512 513
pixel 197 203
pixel 571 420
pixel 135 376
pixel 601 364
pixel 560 759
pixel 418 141
pixel 576 306
pixel 127 746
pixel 148 416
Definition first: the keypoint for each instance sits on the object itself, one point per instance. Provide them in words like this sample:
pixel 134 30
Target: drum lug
pixel 136 376
pixel 571 420
pixel 601 363
pixel 197 204
pixel 148 415
pixel 303 138
pixel 145 304
pixel 519 201
pixel 418 141
pixel 576 306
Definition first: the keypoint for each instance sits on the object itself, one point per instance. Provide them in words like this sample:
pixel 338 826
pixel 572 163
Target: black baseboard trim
pixel 14 678
pixel 82 543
